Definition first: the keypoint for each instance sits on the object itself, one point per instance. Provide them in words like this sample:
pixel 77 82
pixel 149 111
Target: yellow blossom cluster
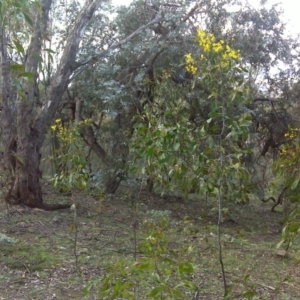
pixel 207 41
pixel 63 133
pixel 287 151
pixel 291 149
pixel 166 74
pixel 68 133
pixel 190 63
pixel 292 133
pixel 58 127
pixel 209 45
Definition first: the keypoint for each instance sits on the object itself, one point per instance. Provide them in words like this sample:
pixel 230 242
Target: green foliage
pixel 195 135
pixel 70 164
pixel 159 273
pixel 291 230
pixel 287 167
pixel 18 12
pixel 288 164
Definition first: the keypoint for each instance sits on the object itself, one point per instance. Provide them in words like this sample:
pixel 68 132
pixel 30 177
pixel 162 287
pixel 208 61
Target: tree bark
pixel 7 161
pixel 31 128
pixel 24 132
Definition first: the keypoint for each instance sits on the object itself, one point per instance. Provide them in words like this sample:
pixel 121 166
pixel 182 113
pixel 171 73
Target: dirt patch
pixel 41 262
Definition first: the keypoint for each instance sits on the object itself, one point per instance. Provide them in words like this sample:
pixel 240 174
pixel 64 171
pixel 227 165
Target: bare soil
pixel 41 263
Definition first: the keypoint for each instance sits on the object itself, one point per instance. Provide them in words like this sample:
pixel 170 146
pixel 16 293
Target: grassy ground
pixel 41 264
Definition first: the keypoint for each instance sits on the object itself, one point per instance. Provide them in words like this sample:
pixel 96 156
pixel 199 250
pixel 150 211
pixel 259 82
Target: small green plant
pixel 195 140
pixel 291 230
pixel 250 291
pixel 159 273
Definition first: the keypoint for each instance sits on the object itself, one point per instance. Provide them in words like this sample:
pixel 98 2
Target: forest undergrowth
pixel 41 263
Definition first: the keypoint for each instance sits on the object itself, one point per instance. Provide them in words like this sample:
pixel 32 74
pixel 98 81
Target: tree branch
pixel 157 19
pixel 66 66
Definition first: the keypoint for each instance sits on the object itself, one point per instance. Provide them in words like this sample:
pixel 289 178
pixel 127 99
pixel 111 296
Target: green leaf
pixel 247 277
pixel 293 227
pixel 279 244
pixel 28 19
pixel 19 158
pixel 295 183
pixel 191 285
pixel 28 75
pixel 176 146
pixel 176 294
pixel 294 198
pixel 162 156
pixel 88 287
pixel 173 253
pixel 156 291
pixel 17 67
pixel 249 294
pixel 143 266
pixel 17 84
pixel 185 268
pixel 19 47
pixel 296 240
pixel 49 50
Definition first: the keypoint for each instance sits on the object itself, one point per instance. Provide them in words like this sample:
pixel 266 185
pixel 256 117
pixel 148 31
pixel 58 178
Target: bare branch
pixel 66 67
pixel 157 19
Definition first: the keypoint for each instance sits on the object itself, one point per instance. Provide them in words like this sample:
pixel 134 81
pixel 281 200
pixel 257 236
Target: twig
pixel 220 200
pixel 196 296
pixel 266 286
pixel 135 225
pixel 219 241
pixel 73 207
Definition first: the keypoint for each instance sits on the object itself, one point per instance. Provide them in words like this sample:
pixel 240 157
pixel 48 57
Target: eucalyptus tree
pixel 24 123
pixel 23 43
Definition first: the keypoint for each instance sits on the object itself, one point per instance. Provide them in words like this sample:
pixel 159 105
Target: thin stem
pixel 220 196
pixel 73 207
pixel 75 241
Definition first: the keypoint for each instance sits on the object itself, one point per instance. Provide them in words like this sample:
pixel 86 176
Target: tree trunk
pixel 24 132
pixel 31 129
pixel 7 127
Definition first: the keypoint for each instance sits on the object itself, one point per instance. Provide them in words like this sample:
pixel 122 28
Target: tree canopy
pixel 151 88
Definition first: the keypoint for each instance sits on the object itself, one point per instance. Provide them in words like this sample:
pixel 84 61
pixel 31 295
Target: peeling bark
pixel 7 161
pixel 30 129
pixel 24 131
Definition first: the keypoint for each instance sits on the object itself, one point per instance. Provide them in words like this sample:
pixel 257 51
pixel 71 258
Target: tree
pixel 118 85
pixel 192 148
pixel 128 79
pixel 126 75
pixel 24 123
